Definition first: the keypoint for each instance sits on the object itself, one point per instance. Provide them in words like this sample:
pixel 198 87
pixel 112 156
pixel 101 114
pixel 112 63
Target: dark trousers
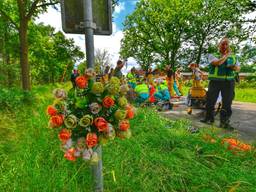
pixel 227 89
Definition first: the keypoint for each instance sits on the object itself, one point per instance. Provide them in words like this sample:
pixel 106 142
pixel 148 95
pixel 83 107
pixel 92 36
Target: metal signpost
pixel 89 17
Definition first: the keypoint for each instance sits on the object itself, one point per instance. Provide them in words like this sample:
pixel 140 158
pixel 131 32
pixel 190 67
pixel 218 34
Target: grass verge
pixel 161 156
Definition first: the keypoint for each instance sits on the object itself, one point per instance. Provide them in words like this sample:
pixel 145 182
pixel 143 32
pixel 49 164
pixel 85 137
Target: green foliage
pixel 13 99
pixel 182 31
pixel 245 94
pixel 161 156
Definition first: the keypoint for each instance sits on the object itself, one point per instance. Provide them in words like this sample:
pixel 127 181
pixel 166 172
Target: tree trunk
pixel 25 75
pixel 9 73
pixel 199 55
pixel 198 59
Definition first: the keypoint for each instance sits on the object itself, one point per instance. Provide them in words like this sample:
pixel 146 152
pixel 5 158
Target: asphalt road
pixel 243 119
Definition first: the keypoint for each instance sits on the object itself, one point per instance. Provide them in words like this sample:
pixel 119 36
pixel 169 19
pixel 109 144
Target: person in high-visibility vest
pixel 222 80
pixel 179 80
pixel 131 77
pixel 170 79
pixel 196 75
pixel 142 91
pixel 162 93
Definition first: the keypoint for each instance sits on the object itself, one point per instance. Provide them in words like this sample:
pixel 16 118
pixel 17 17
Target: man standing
pixel 117 72
pixel 222 80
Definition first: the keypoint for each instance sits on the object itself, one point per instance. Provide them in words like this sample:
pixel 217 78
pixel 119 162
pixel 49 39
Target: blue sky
pixel 110 43
pixel 125 8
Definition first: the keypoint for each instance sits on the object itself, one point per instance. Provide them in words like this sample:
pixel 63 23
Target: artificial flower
pixel 124 125
pixel 108 102
pixel 60 93
pixel 70 154
pixel 51 110
pixel 97 88
pixel 81 82
pixel 113 89
pixel 101 124
pixel 86 121
pixel 129 112
pixel 64 135
pixel 122 101
pixel 91 140
pixel 56 120
pixel 124 89
pixel 70 121
pixel 124 134
pixel 114 81
pixel 95 108
pixel 67 145
pixel 81 144
pixel 90 73
pixel 120 114
pixel 111 132
pixel 87 154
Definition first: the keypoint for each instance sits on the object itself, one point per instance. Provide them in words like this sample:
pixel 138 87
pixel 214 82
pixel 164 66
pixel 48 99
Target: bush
pixel 14 98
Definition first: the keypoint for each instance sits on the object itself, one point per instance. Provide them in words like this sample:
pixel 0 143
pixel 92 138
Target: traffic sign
pixel 72 13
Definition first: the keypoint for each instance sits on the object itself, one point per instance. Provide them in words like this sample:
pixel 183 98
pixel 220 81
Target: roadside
pixel 243 118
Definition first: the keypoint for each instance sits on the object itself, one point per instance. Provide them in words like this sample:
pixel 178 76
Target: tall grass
pixel 161 156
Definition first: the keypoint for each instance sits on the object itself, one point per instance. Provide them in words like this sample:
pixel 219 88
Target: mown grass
pixel 161 156
pixel 241 94
pixel 245 95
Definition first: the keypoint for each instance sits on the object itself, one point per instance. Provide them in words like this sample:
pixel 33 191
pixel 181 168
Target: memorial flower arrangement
pixel 89 115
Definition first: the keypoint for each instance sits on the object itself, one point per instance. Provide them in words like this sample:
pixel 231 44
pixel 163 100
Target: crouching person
pixel 162 93
pixel 142 91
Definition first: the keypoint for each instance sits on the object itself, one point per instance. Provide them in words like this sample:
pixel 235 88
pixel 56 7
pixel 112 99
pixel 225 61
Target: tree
pixel 102 59
pixel 19 13
pixel 52 55
pixel 160 27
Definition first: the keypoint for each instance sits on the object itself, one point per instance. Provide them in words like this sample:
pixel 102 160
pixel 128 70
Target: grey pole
pixel 89 42
pixel 89 39
pixel 97 172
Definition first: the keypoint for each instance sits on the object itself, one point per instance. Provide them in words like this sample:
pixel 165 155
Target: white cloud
pixel 111 43
pixel 119 8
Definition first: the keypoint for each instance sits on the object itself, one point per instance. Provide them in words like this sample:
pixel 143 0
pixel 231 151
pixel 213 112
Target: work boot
pixel 208 121
pixel 226 125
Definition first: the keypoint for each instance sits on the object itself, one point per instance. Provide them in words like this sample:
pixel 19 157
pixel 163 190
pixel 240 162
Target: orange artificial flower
pixel 108 102
pixel 81 82
pixel 70 154
pixel 91 140
pixel 101 124
pixel 57 120
pixel 129 112
pixel 51 110
pixel 64 135
pixel 124 125
pixel 234 144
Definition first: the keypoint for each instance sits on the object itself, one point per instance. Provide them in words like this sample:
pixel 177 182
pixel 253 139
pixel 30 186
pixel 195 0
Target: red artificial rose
pixel 129 112
pixel 64 135
pixel 81 82
pixel 91 140
pixel 124 125
pixel 51 110
pixel 101 124
pixel 57 120
pixel 108 102
pixel 70 154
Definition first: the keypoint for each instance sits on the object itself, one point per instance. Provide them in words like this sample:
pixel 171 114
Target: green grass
pixel 241 94
pixel 245 95
pixel 161 156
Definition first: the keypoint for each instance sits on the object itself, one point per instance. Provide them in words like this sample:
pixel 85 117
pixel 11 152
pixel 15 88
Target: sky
pixel 111 43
